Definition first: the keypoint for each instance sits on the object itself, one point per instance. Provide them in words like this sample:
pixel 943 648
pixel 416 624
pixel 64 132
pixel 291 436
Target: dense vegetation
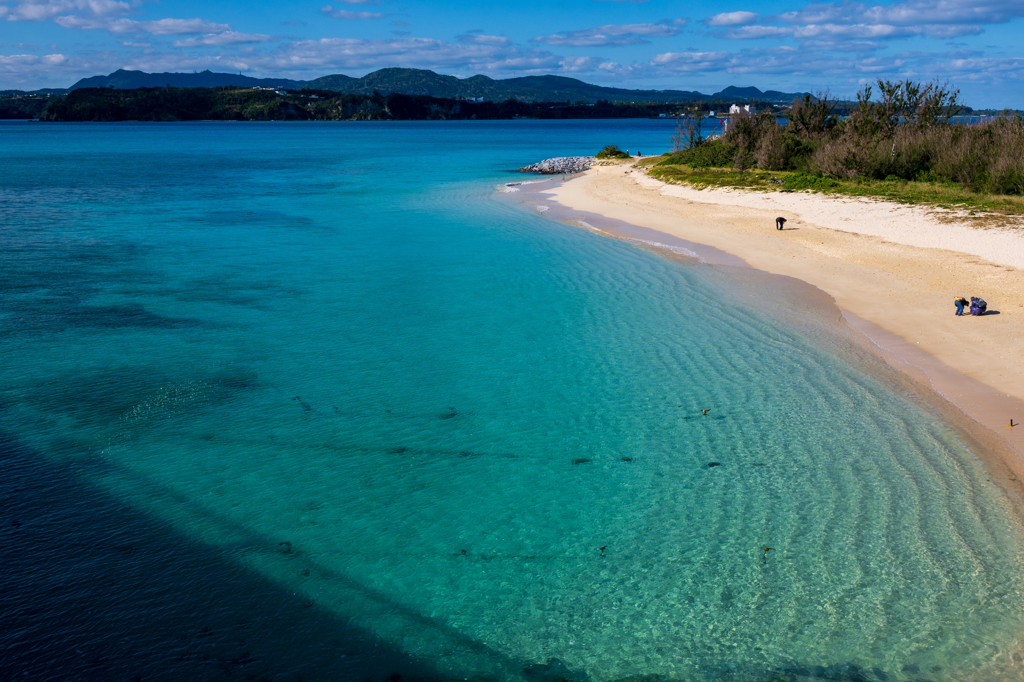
pixel 174 104
pixel 23 106
pixel 905 135
pixel 247 104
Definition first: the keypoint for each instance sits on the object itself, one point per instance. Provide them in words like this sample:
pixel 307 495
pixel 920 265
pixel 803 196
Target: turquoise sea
pixel 314 402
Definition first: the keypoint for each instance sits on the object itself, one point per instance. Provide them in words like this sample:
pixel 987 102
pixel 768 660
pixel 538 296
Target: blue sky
pixel 779 44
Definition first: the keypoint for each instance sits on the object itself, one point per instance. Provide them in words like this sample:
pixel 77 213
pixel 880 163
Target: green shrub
pixel 805 181
pixel 612 151
pixel 713 154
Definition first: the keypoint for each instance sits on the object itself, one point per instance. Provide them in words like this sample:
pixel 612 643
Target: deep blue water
pixel 306 401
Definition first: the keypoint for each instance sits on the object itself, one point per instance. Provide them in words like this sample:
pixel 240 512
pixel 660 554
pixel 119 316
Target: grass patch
pixel 952 197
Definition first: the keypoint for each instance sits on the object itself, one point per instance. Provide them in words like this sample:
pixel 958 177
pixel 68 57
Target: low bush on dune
pixel 612 151
pixel 713 154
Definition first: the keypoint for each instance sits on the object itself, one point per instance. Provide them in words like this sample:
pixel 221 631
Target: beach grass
pixel 986 210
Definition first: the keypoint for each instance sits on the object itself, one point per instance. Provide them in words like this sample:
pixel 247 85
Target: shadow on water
pixel 95 590
pixel 251 541
pixel 92 590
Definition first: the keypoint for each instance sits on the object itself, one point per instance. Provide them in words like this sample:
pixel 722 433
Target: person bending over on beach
pixel 780 223
pixel 960 303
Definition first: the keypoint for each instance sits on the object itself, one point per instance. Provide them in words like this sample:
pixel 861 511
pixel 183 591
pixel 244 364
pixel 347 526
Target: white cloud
pixel 757 32
pixel 172 27
pixel 845 23
pixel 978 67
pixel 223 38
pixel 789 62
pixel 349 14
pixel 43 10
pixel 732 19
pixel 613 35
pixel 942 19
pixel 160 27
pixel 103 15
pixel 574 64
pixel 909 12
pixel 14 61
pixel 302 59
pixel 850 31
pixel 481 40
pixel 311 58
pixel 839 46
pixel 692 61
pixel 55 69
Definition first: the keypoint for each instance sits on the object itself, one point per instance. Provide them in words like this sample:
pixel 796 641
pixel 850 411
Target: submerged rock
pixel 559 165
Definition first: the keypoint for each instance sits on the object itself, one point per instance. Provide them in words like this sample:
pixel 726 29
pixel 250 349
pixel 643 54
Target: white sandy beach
pixel 893 270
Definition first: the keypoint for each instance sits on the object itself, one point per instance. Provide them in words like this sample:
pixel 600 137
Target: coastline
pixel 871 258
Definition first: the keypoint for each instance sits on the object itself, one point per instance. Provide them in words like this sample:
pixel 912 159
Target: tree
pixel 904 103
pixel 690 134
pixel 811 116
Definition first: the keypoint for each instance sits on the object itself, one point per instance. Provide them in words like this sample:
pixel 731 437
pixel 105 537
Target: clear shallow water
pixel 306 402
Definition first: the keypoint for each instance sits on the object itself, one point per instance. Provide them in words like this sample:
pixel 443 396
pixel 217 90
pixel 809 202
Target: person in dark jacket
pixel 978 306
pixel 780 223
pixel 960 303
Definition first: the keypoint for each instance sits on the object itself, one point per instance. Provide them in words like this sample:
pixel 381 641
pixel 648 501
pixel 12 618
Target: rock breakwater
pixel 560 165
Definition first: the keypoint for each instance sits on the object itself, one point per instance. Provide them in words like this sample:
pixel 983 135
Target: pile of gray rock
pixel 560 165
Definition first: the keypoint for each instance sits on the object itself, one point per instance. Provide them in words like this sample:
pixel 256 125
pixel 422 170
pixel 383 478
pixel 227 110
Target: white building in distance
pixel 736 108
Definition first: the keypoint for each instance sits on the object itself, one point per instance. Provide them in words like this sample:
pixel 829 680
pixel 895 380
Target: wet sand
pixel 888 284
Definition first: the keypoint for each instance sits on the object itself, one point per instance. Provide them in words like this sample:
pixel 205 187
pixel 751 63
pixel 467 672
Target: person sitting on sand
pixel 780 223
pixel 960 303
pixel 978 306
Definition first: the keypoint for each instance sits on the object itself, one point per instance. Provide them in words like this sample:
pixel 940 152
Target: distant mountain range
pixel 424 82
pixel 526 89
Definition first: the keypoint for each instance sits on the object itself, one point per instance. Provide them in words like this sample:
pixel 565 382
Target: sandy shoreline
pixel 892 270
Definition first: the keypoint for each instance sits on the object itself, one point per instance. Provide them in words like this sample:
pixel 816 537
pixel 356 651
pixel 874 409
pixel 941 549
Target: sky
pixel 788 45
